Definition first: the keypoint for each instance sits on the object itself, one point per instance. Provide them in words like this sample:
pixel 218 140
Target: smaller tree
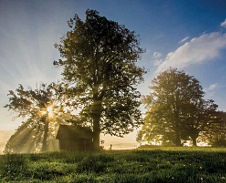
pixel 40 108
pixel 172 93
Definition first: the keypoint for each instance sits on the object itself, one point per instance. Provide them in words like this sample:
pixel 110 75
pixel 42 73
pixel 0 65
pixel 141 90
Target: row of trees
pixel 99 78
pixel 177 111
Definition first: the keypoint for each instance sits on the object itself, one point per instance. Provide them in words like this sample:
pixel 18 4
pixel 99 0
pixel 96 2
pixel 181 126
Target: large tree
pixel 40 108
pixel 172 93
pixel 100 73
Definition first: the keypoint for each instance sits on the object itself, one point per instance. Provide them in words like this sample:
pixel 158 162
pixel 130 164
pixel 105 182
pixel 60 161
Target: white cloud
pixel 183 40
pixel 158 62
pixel 210 90
pixel 212 87
pixel 157 54
pixel 198 50
pixel 223 24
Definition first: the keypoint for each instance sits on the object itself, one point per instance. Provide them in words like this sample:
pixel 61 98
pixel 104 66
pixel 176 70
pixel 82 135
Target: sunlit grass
pixel 165 164
pixel 202 149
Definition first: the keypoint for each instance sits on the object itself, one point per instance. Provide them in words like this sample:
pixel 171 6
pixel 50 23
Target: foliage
pixel 215 131
pixel 176 109
pixel 22 140
pixel 100 73
pixel 196 117
pixel 150 165
pixel 41 110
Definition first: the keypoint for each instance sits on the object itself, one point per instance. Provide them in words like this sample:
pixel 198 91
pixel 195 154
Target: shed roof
pixel 74 132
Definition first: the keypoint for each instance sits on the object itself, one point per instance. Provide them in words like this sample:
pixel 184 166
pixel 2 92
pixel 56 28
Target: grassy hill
pixel 149 165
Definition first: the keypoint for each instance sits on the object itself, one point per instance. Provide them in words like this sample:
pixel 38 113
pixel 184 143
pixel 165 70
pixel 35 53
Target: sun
pixel 50 111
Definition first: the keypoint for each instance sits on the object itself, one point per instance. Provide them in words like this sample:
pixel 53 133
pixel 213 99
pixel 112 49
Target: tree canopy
pixel 41 109
pixel 101 75
pixel 175 107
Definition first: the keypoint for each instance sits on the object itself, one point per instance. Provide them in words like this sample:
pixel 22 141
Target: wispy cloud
pixel 157 54
pixel 183 40
pixel 223 24
pixel 198 50
pixel 210 90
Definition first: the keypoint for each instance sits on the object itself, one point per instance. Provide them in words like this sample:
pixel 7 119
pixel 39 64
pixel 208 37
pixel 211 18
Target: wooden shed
pixel 75 138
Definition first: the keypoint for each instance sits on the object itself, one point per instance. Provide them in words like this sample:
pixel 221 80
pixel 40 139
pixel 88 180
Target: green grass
pixel 165 164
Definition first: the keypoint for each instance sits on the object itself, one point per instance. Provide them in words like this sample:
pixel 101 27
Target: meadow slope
pixel 149 165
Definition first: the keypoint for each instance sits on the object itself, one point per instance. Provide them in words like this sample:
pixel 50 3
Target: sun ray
pixel 50 111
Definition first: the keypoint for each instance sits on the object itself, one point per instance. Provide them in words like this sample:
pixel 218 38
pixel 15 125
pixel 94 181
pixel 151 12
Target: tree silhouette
pixel 40 108
pixel 172 93
pixel 101 75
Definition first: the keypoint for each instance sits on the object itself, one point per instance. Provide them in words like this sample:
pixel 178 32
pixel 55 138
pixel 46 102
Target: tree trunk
pixel 194 143
pixel 178 140
pixel 46 130
pixel 96 124
pixel 96 132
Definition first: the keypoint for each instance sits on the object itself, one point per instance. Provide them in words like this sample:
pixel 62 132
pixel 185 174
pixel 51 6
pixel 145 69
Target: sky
pixel 189 35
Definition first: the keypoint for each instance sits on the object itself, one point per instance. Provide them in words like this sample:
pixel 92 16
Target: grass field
pixel 149 165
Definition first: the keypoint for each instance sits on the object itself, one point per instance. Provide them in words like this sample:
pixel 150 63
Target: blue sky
pixel 190 35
